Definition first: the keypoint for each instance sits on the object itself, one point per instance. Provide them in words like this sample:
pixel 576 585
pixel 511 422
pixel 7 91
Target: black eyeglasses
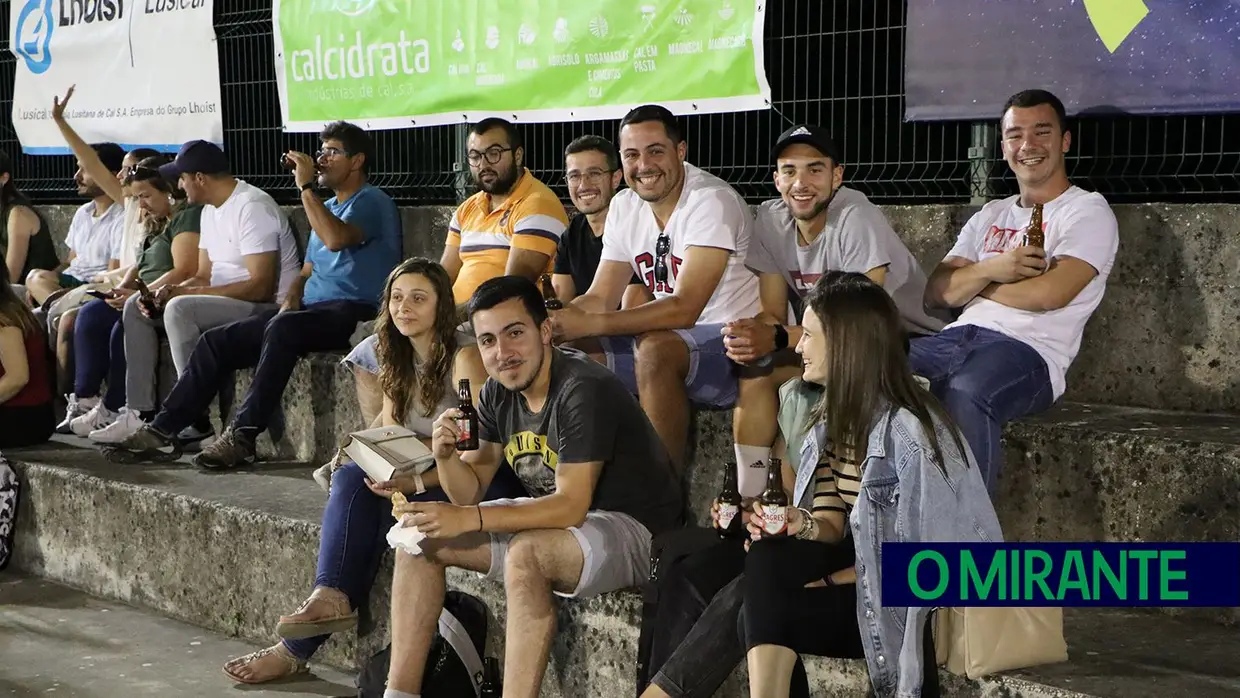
pixel 492 154
pixel 661 247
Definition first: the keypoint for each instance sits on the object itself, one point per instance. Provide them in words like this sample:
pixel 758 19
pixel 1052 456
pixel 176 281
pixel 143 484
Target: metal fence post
pixel 981 160
pixel 462 184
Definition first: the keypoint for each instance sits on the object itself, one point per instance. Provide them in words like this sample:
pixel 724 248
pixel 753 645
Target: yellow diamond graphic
pixel 1114 20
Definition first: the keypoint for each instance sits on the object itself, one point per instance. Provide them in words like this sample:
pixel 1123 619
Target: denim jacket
pixel 904 498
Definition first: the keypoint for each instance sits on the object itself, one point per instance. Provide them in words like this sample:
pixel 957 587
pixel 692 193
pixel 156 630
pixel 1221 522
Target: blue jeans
pixel 354 537
pixel 984 379
pixel 99 353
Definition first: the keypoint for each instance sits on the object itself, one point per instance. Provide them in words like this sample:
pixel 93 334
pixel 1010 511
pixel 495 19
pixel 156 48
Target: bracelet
pixel 809 525
pixel 479 508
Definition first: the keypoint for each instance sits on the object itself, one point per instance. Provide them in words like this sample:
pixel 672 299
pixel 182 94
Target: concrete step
pixel 57 641
pixel 231 551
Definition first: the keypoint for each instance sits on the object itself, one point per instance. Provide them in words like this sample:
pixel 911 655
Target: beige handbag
pixel 976 641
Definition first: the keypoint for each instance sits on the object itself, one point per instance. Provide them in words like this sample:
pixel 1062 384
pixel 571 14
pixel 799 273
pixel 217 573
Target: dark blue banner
pixel 964 58
pixel 1061 574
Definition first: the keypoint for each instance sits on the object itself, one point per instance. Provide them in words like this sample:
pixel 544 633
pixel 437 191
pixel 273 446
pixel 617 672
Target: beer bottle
pixel 550 300
pixel 467 423
pixel 491 685
pixel 773 502
pixel 1034 235
pixel 729 499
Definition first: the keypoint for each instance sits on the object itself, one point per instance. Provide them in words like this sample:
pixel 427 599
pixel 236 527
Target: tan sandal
pixel 292 628
pixel 292 665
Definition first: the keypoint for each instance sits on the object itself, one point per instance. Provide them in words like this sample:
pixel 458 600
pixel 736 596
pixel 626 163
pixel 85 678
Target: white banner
pixel 147 72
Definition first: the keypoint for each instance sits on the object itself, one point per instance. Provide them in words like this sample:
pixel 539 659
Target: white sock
pixel 751 469
pixel 393 693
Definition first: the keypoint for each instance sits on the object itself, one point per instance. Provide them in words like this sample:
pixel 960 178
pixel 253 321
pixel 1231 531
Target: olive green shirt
pixel 155 255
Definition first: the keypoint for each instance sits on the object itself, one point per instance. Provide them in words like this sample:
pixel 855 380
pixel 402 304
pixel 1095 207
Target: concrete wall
pixel 1165 335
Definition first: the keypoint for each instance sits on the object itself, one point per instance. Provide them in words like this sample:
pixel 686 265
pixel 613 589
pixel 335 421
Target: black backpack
pixel 9 490
pixel 454 665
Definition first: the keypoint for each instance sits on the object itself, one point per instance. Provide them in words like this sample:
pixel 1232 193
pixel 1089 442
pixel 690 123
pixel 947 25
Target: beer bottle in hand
pixel 730 506
pixel 773 502
pixel 1034 234
pixel 467 423
pixel 550 300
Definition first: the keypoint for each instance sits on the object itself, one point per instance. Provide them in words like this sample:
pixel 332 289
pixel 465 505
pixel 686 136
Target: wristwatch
pixel 781 338
pixel 307 185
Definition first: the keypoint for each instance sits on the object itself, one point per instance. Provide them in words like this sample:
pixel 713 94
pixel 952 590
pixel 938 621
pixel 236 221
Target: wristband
pixel 781 338
pixel 417 482
pixel 479 508
pixel 307 186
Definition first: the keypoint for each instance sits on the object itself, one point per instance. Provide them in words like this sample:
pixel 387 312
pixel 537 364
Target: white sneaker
pixel 98 418
pixel 76 409
pixel 126 425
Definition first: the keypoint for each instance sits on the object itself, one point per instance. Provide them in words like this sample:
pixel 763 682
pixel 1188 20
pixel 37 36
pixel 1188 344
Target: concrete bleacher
pixel 1145 447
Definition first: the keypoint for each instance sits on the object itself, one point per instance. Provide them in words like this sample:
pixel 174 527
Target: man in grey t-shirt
pixel 601 479
pixel 817 225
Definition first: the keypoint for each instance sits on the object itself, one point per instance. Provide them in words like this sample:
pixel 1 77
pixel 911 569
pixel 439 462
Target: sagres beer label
pixel 727 512
pixel 776 519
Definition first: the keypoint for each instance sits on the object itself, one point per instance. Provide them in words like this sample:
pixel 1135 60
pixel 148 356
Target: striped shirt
pixel 531 219
pixel 837 482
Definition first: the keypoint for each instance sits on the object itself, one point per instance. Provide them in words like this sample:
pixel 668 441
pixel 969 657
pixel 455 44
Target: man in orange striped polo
pixel 512 226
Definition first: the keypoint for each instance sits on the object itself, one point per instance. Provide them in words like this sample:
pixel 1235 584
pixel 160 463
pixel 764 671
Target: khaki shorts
pixel 615 549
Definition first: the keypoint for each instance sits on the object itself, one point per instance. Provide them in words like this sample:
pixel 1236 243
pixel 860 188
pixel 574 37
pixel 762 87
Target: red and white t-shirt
pixel 1078 224
pixel 709 214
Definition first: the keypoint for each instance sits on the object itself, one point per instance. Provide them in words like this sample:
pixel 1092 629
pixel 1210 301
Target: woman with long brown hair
pixel 422 356
pixel 877 449
pixel 26 414
pixel 866 443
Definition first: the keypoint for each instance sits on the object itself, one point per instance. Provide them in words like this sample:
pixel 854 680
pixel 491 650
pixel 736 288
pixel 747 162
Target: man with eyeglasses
pixel 685 233
pixel 592 171
pixel 511 227
pixel 355 242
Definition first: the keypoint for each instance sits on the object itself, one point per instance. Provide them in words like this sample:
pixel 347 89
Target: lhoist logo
pixel 34 35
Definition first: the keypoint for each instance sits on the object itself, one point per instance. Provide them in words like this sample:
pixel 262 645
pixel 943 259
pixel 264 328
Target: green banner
pixel 402 63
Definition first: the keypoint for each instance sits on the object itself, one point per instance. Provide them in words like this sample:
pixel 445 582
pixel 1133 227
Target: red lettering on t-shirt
pixel 645 263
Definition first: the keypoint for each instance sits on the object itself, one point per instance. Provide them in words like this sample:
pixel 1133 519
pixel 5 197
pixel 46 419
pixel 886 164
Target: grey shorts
pixel 615 549
pixel 712 379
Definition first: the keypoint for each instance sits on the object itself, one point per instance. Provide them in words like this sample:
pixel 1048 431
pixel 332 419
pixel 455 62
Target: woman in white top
pixel 421 358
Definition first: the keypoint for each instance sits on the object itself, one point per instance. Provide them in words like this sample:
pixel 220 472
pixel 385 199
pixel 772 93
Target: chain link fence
pixel 838 63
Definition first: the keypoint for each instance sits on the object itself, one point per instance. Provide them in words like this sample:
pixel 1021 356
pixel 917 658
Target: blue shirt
pixel 356 273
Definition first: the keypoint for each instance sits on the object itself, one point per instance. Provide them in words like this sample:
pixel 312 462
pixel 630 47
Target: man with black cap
pixel 247 260
pixel 817 225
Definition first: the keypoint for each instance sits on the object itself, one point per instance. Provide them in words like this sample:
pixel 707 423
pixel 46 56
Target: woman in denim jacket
pixel 879 461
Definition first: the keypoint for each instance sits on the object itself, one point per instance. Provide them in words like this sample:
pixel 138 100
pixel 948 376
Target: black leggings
pixel 779 610
pixel 821 621
pixel 26 426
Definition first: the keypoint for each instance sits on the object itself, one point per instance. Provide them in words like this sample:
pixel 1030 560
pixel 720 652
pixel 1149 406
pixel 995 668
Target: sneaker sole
pixel 207 464
pixel 117 454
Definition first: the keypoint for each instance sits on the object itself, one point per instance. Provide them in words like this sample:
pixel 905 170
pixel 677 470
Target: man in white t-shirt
pixel 1025 307
pixel 247 259
pixel 816 225
pixel 685 233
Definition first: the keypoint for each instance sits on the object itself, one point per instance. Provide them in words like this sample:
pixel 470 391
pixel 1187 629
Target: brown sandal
pixel 290 628
pixel 293 665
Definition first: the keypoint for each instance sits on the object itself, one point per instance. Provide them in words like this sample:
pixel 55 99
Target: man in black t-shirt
pixel 602 485
pixel 592 170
